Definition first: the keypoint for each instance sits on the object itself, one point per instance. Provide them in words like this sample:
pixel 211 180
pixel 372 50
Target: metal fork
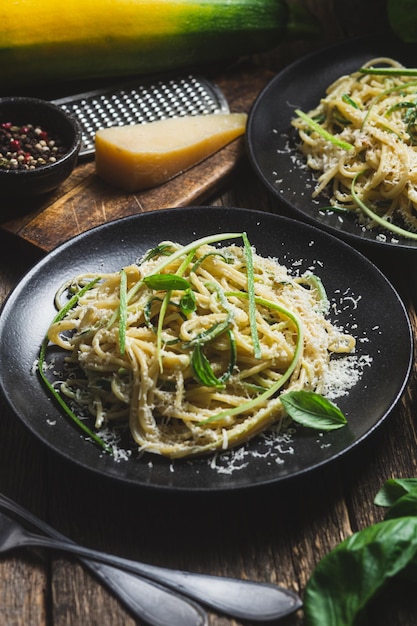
pixel 239 598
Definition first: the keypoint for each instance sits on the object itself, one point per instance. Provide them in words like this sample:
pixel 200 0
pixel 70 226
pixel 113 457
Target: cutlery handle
pixel 240 598
pixel 156 605
pixel 246 599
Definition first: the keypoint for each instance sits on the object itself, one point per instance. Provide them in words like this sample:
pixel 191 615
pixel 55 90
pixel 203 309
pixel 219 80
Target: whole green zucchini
pixel 47 41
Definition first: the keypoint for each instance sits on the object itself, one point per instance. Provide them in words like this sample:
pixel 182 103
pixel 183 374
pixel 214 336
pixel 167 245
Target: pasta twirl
pixel 364 147
pixel 193 344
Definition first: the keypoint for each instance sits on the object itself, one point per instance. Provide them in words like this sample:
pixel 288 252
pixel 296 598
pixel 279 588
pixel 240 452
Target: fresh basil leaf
pixel 188 302
pixel 312 410
pixel 393 490
pixel 404 506
pixel 346 579
pixel 203 370
pixel 166 282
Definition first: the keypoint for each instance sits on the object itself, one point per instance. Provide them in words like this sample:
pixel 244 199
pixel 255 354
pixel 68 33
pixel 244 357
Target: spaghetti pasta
pixel 361 140
pixel 192 345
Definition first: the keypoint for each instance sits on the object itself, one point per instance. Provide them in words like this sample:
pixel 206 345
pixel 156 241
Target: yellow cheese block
pixel 141 156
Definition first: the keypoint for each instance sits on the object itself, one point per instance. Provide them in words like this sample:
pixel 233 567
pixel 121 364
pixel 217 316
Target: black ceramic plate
pixel 369 307
pixel 272 142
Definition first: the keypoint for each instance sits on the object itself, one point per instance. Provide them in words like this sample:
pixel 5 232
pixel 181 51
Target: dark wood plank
pixel 22 591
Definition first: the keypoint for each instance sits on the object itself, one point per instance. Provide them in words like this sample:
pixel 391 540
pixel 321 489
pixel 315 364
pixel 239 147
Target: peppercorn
pixel 28 146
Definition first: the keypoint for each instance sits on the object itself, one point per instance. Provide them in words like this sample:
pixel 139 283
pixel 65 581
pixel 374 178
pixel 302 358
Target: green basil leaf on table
pixel 350 575
pixel 393 490
pixel 404 506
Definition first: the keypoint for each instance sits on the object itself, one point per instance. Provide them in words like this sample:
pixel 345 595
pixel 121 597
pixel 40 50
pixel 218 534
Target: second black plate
pixel 272 141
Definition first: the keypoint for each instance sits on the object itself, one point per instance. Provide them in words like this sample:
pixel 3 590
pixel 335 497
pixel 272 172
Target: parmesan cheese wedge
pixel 142 156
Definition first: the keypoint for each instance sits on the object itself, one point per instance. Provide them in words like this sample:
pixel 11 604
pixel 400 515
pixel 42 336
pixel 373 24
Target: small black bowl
pixel 23 183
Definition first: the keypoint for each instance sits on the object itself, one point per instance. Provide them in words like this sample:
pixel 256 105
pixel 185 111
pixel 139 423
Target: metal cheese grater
pixel 134 103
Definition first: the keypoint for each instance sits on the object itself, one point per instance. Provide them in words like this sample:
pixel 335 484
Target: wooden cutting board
pixel 85 201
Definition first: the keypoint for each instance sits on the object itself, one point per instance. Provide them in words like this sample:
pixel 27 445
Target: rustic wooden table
pixel 275 534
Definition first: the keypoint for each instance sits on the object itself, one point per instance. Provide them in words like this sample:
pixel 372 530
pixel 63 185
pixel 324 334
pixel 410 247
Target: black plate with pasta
pixel 362 301
pixel 272 141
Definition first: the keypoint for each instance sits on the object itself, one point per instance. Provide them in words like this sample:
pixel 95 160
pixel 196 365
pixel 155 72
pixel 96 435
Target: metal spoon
pixel 239 598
